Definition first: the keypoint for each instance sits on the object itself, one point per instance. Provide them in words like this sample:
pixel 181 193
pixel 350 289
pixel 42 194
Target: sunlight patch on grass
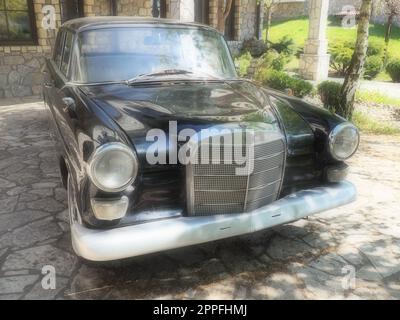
pixel 376 97
pixel 297 29
pixel 384 77
pixel 368 125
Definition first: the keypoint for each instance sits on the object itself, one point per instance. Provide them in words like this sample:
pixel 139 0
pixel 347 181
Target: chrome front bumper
pixel 135 240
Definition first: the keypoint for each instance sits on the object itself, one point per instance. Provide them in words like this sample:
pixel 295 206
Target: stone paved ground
pixel 302 260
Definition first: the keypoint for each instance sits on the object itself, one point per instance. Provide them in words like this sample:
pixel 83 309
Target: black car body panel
pixel 118 112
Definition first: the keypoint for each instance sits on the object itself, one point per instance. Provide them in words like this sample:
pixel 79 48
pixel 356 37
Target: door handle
pixel 48 84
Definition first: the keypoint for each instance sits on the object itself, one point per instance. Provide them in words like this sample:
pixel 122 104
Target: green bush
pixel 393 68
pixel 329 92
pixel 342 52
pixel 256 47
pixel 373 66
pixel 279 62
pixel 273 60
pixel 243 62
pixel 374 49
pixel 282 81
pixel 285 45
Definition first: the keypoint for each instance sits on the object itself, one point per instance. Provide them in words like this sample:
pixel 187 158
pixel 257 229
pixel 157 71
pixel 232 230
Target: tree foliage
pixel 392 10
pixel 392 7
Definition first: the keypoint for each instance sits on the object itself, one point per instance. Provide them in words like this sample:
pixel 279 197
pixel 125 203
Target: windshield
pixel 118 54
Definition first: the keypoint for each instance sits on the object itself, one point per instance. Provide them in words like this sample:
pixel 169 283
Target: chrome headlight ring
pixel 106 150
pixel 335 133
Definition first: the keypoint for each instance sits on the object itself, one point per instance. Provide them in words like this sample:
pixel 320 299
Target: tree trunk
pixel 354 72
pixel 224 8
pixel 268 26
pixel 387 37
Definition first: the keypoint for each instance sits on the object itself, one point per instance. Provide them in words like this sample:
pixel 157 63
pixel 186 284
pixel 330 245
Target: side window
pixel 58 48
pixel 66 53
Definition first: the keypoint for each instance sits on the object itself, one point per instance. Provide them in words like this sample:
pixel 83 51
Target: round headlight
pixel 113 167
pixel 343 141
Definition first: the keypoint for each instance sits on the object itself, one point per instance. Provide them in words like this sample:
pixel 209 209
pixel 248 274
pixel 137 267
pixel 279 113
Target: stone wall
pixel 336 6
pixel 297 8
pixel 287 10
pixel 245 19
pixel 20 66
pixel 101 8
pixel 245 16
pixel 141 8
pixel 235 47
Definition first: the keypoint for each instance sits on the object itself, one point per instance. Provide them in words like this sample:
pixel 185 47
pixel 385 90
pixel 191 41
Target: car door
pixel 64 100
pixel 49 73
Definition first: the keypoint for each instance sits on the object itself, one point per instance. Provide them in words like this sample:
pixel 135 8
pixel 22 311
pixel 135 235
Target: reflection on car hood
pixel 195 104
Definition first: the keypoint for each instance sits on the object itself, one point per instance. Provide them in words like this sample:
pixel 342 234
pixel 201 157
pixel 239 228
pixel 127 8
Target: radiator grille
pixel 216 189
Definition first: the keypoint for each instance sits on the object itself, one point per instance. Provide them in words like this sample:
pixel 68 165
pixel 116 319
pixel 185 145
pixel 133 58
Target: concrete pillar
pixel 314 63
pixel 260 26
pixel 182 10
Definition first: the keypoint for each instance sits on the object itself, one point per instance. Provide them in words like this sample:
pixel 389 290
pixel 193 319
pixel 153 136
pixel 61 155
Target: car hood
pixel 137 109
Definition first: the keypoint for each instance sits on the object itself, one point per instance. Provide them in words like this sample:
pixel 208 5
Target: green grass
pixel 297 29
pixel 368 125
pixel 383 76
pixel 376 97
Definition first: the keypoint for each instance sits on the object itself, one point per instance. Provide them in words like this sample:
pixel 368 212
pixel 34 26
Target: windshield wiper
pixel 166 72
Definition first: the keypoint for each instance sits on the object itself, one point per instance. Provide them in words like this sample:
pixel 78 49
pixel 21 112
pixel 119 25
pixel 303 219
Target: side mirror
pixel 69 107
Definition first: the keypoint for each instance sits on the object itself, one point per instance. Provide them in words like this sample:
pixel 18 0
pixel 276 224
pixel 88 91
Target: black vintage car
pixel 150 119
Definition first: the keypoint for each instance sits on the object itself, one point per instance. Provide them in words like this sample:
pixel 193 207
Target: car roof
pixel 88 23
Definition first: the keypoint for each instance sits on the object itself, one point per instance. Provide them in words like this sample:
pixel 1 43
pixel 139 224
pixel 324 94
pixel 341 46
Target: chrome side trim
pixel 104 245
